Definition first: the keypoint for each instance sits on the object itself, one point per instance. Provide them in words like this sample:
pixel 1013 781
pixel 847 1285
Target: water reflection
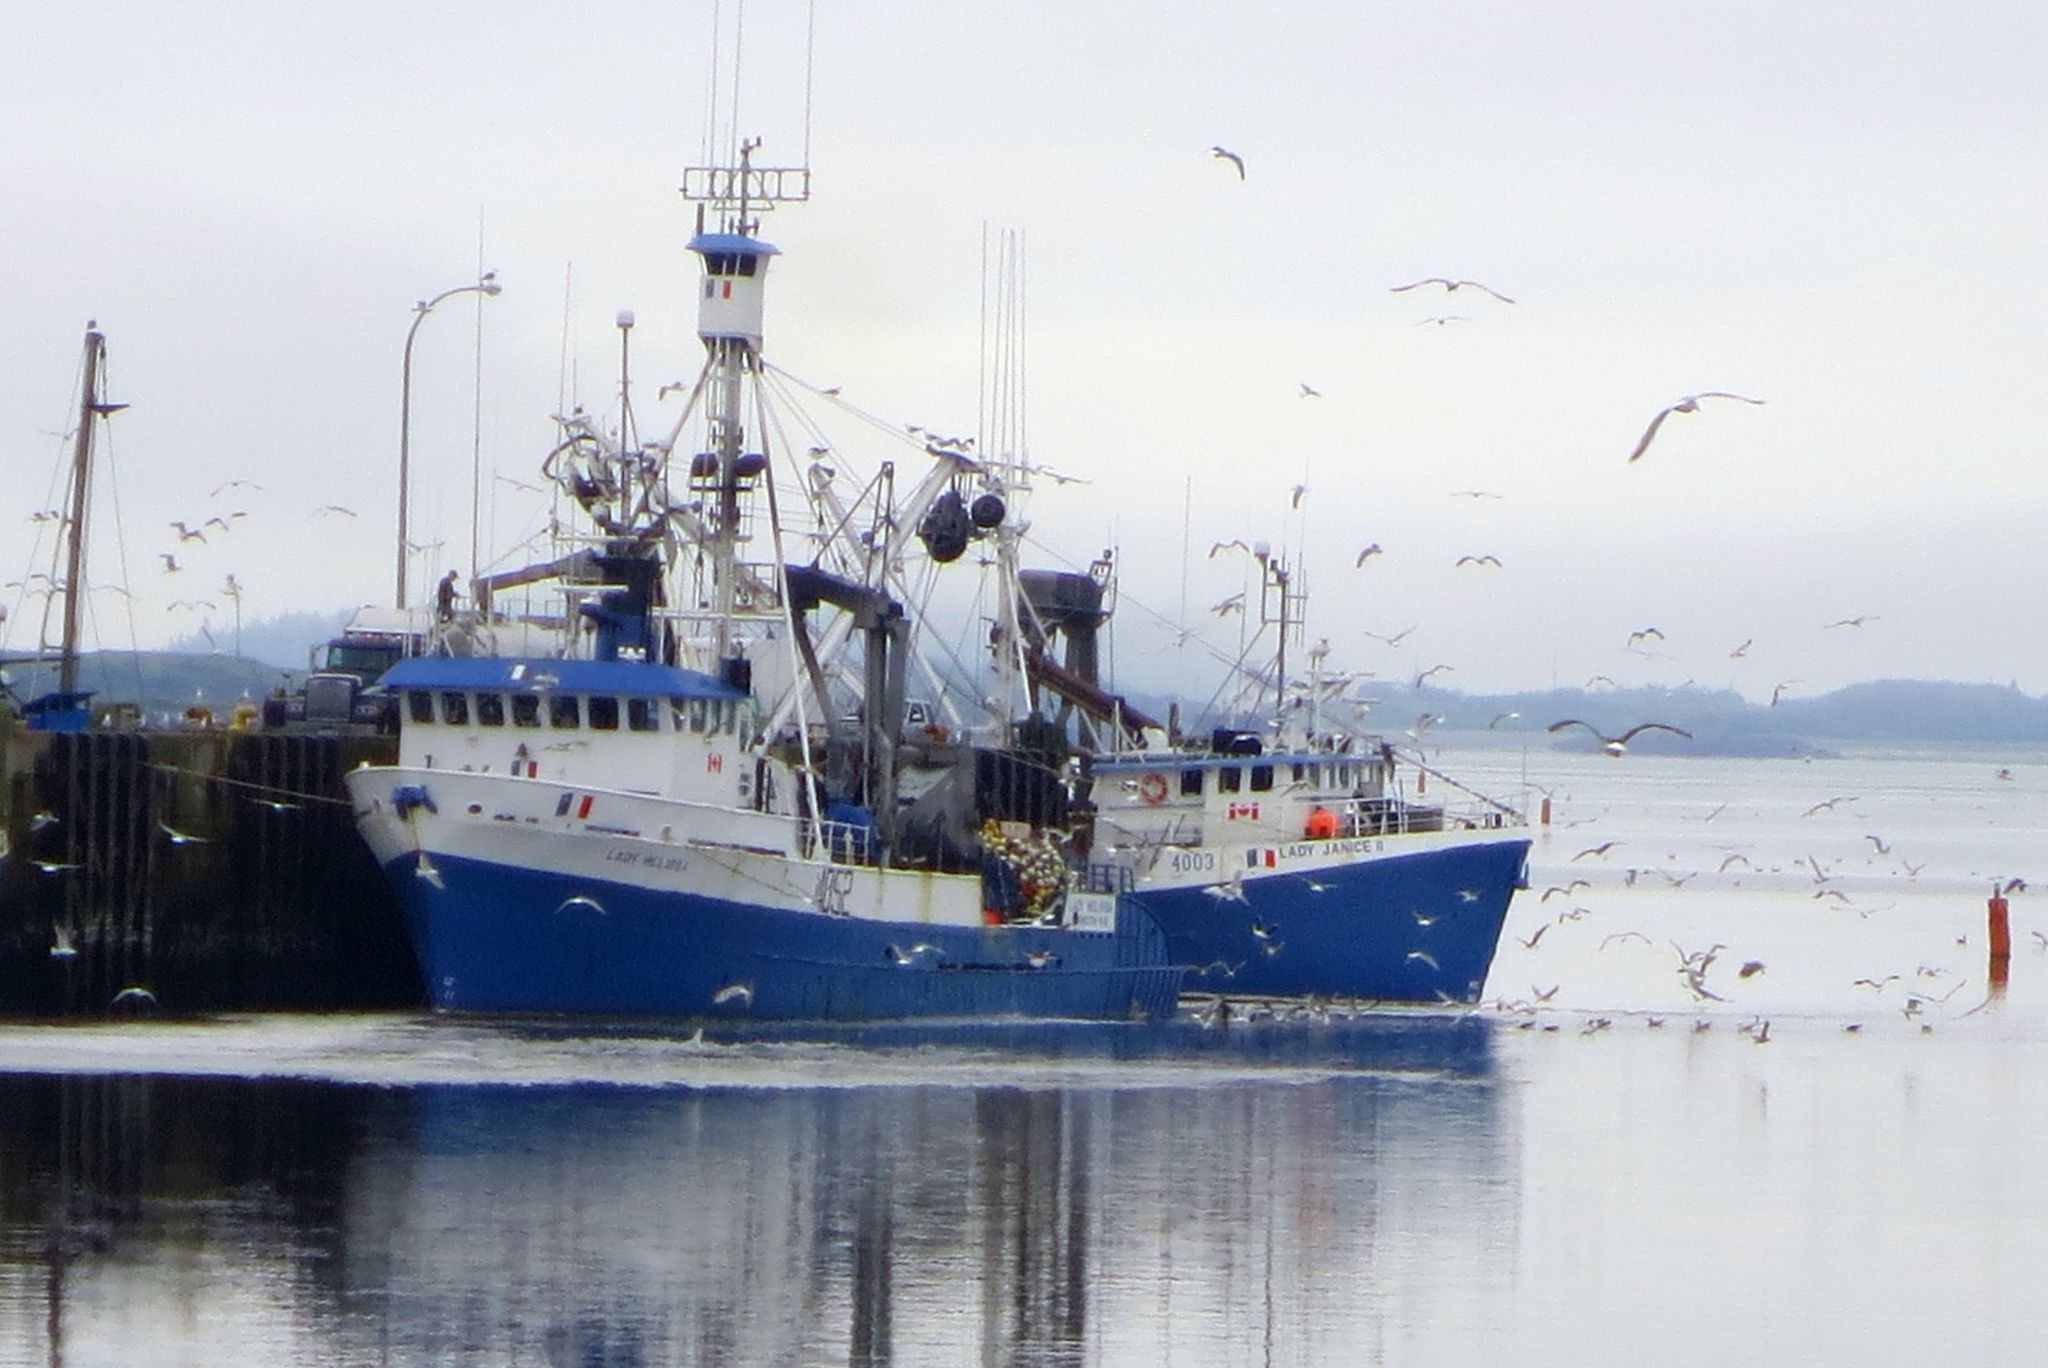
pixel 1203 1216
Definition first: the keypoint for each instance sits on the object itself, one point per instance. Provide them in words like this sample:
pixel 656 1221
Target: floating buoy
pixel 1998 934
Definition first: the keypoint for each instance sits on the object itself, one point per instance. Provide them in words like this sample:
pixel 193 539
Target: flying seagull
pixel 1451 287
pixel 1616 745
pixel 1857 621
pixel 1299 492
pixel 1227 155
pixel 1366 555
pixel 1235 544
pixel 1689 404
pixel 1309 391
pixel 1479 560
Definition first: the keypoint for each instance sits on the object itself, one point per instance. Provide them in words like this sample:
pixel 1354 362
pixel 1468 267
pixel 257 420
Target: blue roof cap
pixel 732 242
pixel 569 676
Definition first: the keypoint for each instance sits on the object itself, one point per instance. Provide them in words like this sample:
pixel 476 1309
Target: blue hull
pixel 1409 928
pixel 493 938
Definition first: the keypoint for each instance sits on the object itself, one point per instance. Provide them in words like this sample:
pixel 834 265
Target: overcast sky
pixel 1837 208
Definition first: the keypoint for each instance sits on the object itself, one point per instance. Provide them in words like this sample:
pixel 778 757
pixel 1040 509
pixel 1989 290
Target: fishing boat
pixel 1293 857
pixel 67 707
pixel 669 814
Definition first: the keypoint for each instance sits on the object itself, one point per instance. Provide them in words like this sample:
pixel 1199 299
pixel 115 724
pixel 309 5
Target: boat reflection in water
pixel 1297 1201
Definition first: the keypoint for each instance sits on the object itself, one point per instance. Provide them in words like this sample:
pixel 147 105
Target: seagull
pixel 1689 404
pixel 1625 935
pixel 427 873
pixel 1750 969
pixel 1374 550
pixel 170 562
pixel 1567 890
pixel 1233 604
pixel 1424 957
pixel 1236 543
pixel 1829 805
pixel 1644 634
pixel 186 534
pixel 1441 319
pixel 1740 651
pixel 1852 621
pixel 1600 850
pixel 1396 639
pixel 742 993
pixel 905 958
pixel 1309 391
pixel 1423 678
pixel 179 838
pixel 1227 155
pixel 1731 860
pixel 1233 891
pixel 1616 745
pixel 1530 941
pixel 1474 494
pixel 275 804
pixel 334 508
pixel 1479 560
pixel 1500 718
pixel 1041 959
pixel 135 999
pixel 222 488
pixel 1451 287
pixel 1779 691
pixel 1295 495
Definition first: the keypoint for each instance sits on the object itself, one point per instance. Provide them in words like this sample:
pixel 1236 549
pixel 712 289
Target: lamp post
pixel 485 285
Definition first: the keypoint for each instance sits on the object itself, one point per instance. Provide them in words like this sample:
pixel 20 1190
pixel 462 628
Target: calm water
pixel 1523 1183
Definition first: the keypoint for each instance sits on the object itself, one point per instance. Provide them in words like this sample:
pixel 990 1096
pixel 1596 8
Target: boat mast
pixel 90 407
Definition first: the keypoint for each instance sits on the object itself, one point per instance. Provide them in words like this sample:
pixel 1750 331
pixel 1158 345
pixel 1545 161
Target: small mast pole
pixel 89 408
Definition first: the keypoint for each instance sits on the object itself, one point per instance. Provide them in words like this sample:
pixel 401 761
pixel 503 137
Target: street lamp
pixel 487 285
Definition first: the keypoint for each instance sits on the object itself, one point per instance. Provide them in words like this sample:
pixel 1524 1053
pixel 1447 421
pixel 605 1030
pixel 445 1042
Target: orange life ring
pixel 1152 788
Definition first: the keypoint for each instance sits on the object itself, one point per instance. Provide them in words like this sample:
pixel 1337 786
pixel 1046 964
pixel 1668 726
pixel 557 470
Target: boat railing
pixel 1103 878
pixel 841 843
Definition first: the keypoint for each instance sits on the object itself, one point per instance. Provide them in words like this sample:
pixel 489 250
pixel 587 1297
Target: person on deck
pixel 444 597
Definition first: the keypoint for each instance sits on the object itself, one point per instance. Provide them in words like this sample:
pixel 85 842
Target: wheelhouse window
pixel 1229 779
pixel 490 710
pixel 1191 783
pixel 1262 778
pixel 604 712
pixel 419 705
pixel 643 714
pixel 700 709
pixel 455 708
pixel 525 710
pixel 565 712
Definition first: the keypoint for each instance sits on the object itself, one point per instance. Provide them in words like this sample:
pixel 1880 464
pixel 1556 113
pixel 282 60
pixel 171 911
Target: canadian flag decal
pixel 1242 811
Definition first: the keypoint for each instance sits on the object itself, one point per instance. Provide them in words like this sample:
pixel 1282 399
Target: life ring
pixel 1152 788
